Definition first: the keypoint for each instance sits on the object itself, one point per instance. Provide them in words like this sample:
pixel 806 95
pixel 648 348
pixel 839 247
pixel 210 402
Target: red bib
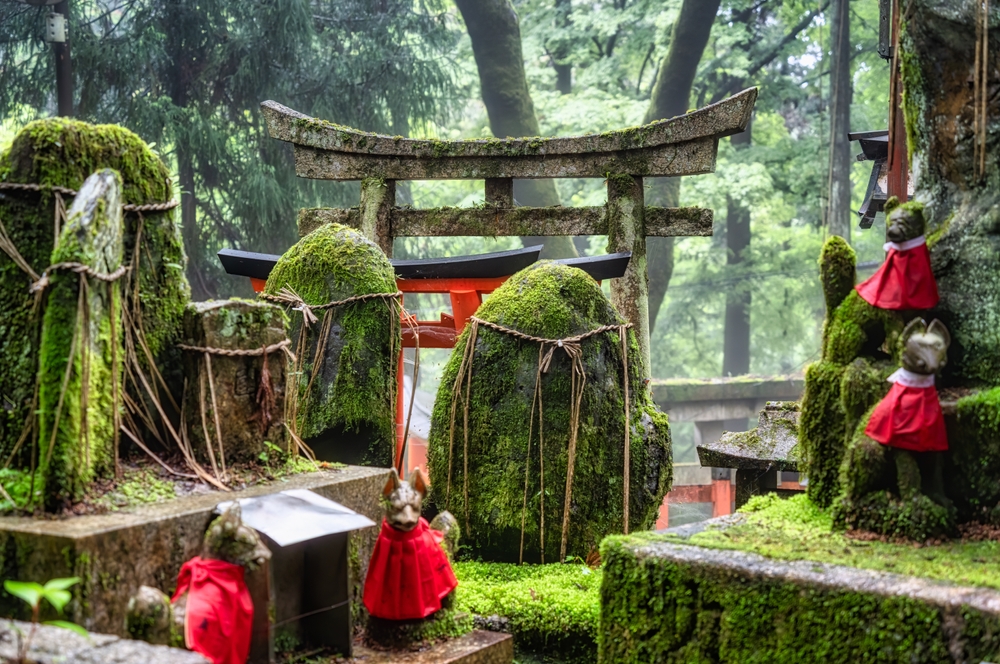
pixel 905 280
pixel 219 618
pixel 909 417
pixel 409 574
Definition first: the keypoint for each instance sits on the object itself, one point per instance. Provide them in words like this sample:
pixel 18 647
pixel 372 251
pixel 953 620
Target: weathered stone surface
pixel 521 221
pixel 478 647
pixel 58 152
pixel 81 351
pixel 247 416
pixel 549 301
pixel 680 146
pixel 771 444
pixel 670 602
pixel 55 645
pixel 116 553
pixel 347 389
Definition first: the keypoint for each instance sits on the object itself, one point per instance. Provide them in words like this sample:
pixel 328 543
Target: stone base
pixel 665 601
pixel 115 553
pixel 55 645
pixel 477 647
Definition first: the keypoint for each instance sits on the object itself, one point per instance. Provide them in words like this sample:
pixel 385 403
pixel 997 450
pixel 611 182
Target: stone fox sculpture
pixel 892 472
pixel 409 573
pixel 211 607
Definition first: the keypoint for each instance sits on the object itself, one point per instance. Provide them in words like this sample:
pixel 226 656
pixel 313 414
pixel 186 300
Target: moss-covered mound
pixel 549 301
pixel 661 602
pixel 550 609
pixel 346 407
pixel 63 153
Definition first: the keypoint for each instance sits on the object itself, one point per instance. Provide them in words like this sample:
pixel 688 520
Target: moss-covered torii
pixel 685 145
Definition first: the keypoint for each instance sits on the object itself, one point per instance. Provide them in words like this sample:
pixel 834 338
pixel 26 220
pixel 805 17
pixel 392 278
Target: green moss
pixel 656 609
pixel 355 388
pixel 137 487
pixel 61 152
pixel 448 623
pixel 836 269
pixel 822 429
pixel 549 301
pixel 550 609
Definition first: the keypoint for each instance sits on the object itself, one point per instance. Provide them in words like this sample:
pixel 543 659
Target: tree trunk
pixel 496 44
pixel 938 52
pixel 671 96
pixel 564 70
pixel 736 340
pixel 838 212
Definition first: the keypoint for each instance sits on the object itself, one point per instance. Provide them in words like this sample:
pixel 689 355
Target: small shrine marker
pixel 685 145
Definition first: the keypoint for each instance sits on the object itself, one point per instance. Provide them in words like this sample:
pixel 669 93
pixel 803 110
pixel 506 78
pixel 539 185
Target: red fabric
pixel 905 281
pixel 909 418
pixel 409 574
pixel 219 618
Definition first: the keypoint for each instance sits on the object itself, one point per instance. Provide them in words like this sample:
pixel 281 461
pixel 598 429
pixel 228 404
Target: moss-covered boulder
pixel 554 302
pixel 346 387
pixel 59 152
pixel 81 350
pixel 249 403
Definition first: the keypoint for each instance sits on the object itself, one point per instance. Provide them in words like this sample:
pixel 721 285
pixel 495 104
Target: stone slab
pixel 477 647
pixel 117 552
pixel 54 645
pixel 772 445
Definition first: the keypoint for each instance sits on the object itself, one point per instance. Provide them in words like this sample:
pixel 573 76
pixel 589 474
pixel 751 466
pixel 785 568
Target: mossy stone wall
pixel 666 603
pixel 81 351
pixel 550 301
pixel 348 413
pixel 62 152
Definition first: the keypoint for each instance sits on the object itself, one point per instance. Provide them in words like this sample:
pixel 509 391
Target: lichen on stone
pixel 348 412
pixel 549 301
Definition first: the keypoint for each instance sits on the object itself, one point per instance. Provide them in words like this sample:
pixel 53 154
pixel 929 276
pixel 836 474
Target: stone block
pixel 55 645
pixel 116 553
pixel 248 405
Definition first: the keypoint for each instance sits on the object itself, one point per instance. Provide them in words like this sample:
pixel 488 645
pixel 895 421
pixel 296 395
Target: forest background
pixel 188 76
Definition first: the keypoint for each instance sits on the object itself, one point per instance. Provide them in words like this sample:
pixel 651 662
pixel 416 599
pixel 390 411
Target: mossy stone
pixel 81 347
pixel 550 301
pixel 62 152
pixel 348 412
pixel 248 417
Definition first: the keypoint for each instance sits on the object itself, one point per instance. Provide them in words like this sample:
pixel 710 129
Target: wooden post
pixel 626 232
pixel 378 198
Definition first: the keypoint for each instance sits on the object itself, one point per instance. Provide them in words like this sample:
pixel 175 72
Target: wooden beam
pixel 522 221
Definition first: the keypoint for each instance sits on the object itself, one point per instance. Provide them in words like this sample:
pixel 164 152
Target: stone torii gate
pixel 684 145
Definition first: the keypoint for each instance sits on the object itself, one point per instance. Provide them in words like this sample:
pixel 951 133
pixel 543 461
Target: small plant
pixel 55 592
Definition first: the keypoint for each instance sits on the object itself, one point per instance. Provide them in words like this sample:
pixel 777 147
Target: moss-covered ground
pixel 795 529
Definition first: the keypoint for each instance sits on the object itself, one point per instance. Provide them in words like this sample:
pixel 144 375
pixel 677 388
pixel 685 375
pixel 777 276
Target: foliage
pixel 548 608
pixel 190 76
pixel 56 593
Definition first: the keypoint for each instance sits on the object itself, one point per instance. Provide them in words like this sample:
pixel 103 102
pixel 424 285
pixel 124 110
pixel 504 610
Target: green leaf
pixel 57 598
pixel 30 592
pixel 62 584
pixel 65 624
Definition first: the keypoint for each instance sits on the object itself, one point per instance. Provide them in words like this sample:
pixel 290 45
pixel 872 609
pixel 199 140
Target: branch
pixel 785 41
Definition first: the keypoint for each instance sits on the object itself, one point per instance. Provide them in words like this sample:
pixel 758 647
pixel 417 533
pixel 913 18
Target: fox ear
pixel 391 484
pixel 419 482
pixel 913 327
pixel 937 328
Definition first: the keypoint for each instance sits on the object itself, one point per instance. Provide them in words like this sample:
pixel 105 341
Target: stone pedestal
pixel 114 554
pixel 478 647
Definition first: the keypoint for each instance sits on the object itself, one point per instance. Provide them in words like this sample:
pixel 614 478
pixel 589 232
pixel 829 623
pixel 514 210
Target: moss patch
pixel 550 609
pixel 550 301
pixel 353 392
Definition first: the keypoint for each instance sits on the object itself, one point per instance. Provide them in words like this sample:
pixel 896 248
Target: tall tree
pixel 496 44
pixel 838 212
pixel 671 97
pixel 190 75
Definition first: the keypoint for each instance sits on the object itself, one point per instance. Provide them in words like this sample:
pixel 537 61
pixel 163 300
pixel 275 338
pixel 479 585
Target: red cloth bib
pixel 905 280
pixel 909 417
pixel 219 618
pixel 409 574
